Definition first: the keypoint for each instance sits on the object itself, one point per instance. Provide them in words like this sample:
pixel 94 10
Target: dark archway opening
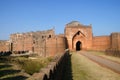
pixel 78 46
pixel 11 47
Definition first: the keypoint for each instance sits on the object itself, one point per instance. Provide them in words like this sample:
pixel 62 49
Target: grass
pixel 103 54
pixel 85 69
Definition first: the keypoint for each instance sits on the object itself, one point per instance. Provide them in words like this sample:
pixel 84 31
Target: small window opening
pixel 42 36
pixel 49 36
pixel 78 33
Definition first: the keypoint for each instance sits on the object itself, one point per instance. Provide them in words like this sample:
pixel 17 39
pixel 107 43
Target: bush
pixel 32 66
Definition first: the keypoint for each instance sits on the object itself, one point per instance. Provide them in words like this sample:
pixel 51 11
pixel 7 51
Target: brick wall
pixel 115 41
pixel 115 45
pixel 55 45
pixel 4 45
pixel 43 43
pixel 21 42
pixel 30 41
pixel 101 43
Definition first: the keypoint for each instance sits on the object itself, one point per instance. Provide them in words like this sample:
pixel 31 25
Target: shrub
pixel 32 66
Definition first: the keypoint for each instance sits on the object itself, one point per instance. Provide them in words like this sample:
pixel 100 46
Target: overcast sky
pixel 37 15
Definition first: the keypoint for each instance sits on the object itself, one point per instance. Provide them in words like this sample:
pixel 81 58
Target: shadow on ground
pixel 67 73
pixel 16 78
pixel 5 66
pixel 8 73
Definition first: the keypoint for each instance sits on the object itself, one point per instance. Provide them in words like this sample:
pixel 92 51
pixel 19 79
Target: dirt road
pixel 102 61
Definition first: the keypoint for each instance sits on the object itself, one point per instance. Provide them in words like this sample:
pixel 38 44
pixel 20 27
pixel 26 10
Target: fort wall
pixel 4 45
pixel 115 41
pixel 76 37
pixel 55 45
pixel 42 43
pixel 101 43
pixel 21 42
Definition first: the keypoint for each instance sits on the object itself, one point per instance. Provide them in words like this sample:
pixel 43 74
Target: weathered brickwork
pixel 101 43
pixel 46 43
pixel 21 41
pixel 115 41
pixel 115 45
pixel 43 43
pixel 4 45
pixel 56 45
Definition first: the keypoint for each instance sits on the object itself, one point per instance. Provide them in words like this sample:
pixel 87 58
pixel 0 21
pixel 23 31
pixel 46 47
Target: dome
pixel 73 23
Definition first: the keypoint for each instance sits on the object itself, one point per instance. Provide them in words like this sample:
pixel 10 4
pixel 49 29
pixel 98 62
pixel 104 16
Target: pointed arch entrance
pixel 78 45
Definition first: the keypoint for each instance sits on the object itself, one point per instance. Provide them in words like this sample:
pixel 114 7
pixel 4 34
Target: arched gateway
pixel 78 46
pixel 78 36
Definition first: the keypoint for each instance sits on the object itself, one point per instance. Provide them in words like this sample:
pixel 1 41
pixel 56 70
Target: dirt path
pixel 79 67
pixel 102 61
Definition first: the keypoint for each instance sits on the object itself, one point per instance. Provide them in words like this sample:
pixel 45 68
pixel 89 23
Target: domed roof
pixel 73 23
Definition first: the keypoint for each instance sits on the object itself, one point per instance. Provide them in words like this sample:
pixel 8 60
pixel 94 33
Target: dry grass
pixel 85 69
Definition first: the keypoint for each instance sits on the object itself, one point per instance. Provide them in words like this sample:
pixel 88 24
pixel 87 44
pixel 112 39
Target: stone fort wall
pixel 115 41
pixel 4 45
pixel 56 45
pixel 30 41
pixel 43 43
pixel 46 43
pixel 101 43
